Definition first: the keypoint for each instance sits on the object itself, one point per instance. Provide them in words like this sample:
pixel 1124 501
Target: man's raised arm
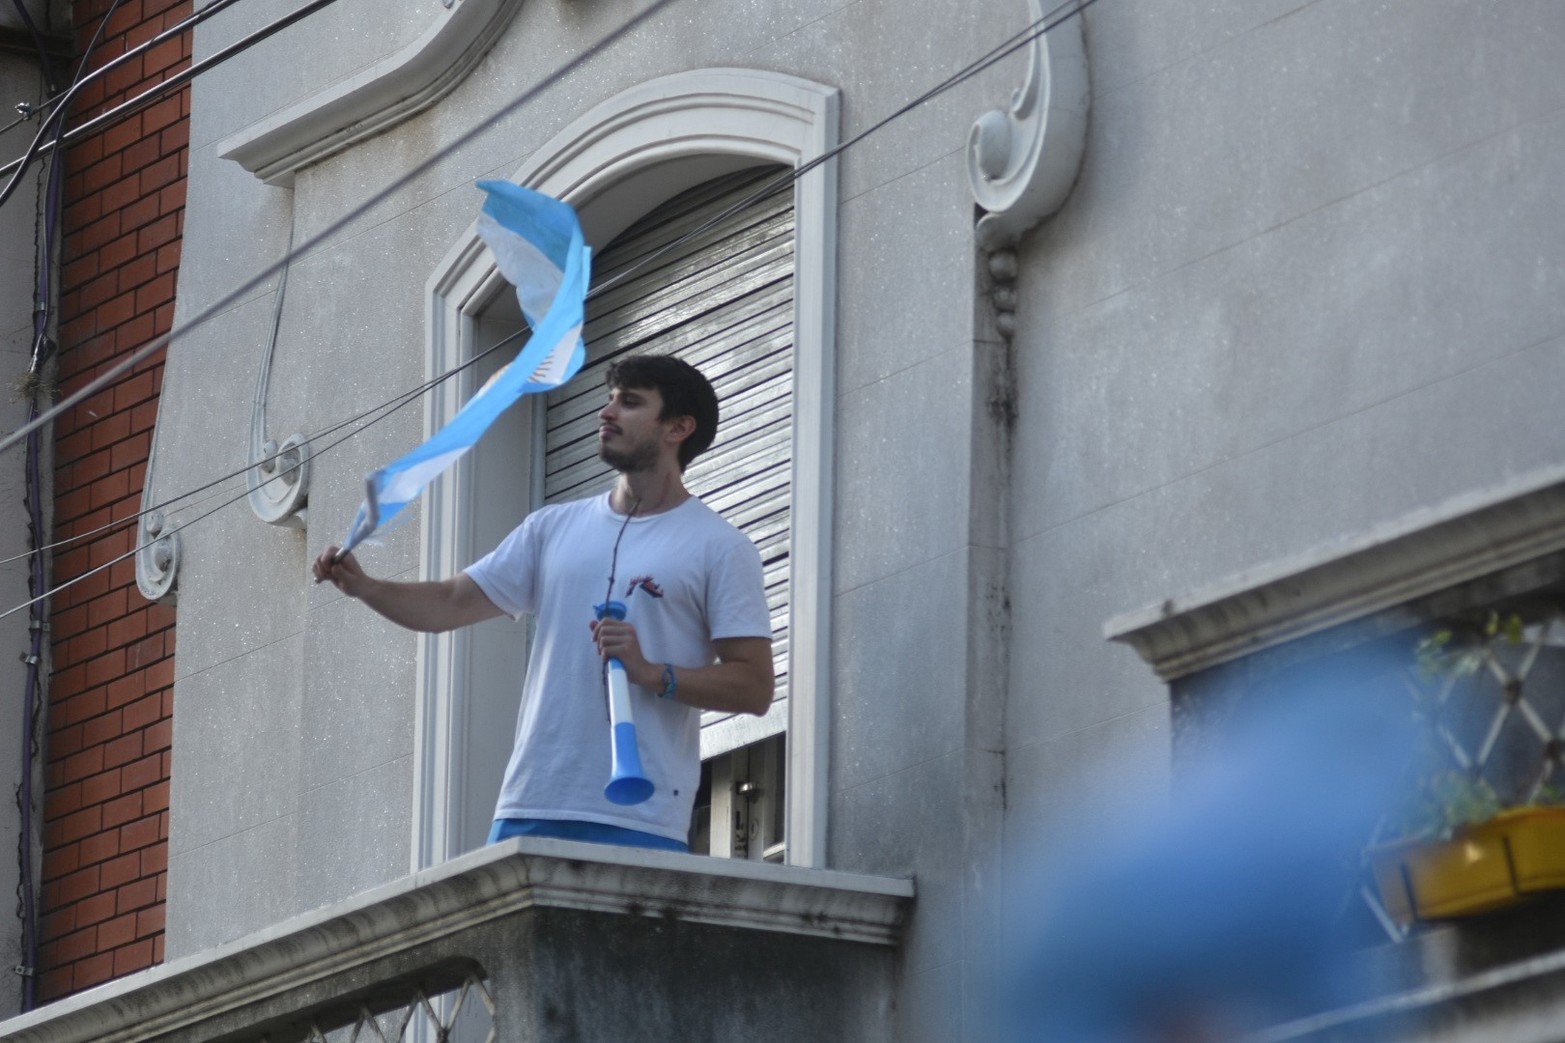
pixel 430 607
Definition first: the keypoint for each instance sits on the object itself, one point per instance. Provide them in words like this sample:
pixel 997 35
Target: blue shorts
pixel 570 829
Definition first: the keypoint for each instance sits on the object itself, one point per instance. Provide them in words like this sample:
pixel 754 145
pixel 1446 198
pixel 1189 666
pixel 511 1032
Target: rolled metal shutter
pixel 722 301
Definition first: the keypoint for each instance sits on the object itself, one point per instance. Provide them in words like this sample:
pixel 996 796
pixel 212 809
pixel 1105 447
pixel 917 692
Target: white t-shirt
pixel 687 578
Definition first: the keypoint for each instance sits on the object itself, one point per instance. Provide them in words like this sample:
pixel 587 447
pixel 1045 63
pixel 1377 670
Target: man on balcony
pixel 697 635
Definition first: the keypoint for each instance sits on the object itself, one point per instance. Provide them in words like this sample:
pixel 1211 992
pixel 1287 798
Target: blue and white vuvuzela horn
pixel 628 784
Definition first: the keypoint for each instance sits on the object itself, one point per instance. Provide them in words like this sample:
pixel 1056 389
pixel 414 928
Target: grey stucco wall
pixel 1310 280
pixel 333 44
pixel 294 709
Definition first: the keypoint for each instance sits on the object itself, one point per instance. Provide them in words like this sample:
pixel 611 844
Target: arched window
pixel 746 299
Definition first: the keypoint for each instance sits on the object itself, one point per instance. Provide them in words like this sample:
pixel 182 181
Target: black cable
pixel 17 167
pixel 97 34
pixel 787 178
pixel 37 580
pixel 32 709
pixel 200 517
pixel 390 406
pixel 29 114
pixel 1017 41
pixel 37 38
pixel 103 70
pixel 42 345
pixel 1036 30
pixel 420 168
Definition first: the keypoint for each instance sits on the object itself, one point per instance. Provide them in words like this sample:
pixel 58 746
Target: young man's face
pixel 630 436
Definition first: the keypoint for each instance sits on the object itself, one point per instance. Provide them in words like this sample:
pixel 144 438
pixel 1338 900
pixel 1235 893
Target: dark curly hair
pixel 685 391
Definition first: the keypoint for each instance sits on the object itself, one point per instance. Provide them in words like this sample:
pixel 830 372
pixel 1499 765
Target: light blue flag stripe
pixel 538 247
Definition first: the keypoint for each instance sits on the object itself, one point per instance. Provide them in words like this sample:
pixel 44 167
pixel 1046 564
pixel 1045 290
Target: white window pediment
pixel 374 99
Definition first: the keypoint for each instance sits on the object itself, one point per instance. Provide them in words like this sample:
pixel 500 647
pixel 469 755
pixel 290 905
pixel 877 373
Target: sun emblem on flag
pixel 645 583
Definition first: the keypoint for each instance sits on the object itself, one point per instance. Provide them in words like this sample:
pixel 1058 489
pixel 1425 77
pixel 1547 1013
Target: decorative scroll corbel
pixel 157 556
pixel 1023 160
pixel 278 475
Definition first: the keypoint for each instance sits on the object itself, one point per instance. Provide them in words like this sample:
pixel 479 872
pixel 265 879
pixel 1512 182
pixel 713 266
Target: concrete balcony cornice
pixel 425 913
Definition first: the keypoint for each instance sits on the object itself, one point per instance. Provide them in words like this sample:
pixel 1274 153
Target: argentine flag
pixel 538 247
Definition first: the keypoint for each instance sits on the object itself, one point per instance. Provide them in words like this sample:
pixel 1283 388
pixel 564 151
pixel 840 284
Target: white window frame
pixel 615 164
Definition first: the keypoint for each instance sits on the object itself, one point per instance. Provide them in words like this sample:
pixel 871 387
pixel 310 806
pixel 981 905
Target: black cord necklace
pixel 608 595
pixel 635 505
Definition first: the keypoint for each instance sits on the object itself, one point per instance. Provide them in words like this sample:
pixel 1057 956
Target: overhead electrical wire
pixel 245 495
pixel 44 65
pixel 787 178
pixel 420 168
pixel 1033 32
pixel 1019 40
pixel 391 405
pixel 152 94
pixel 46 215
pixel 27 113
pixel 103 70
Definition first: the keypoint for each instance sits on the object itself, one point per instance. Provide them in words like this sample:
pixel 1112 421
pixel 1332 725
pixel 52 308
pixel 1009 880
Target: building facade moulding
pixel 393 89
pixel 1022 160
pixel 1467 538
pixel 157 555
pixel 158 550
pixel 615 163
pixel 279 475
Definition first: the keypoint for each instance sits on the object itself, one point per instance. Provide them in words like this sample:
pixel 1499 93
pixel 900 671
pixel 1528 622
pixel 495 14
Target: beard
pixel 642 457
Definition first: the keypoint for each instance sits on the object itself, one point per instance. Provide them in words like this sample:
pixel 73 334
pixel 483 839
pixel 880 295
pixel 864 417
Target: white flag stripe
pixel 536 278
pixel 406 485
pixel 538 246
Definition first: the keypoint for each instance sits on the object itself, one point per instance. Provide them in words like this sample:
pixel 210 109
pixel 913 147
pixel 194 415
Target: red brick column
pixel 109 727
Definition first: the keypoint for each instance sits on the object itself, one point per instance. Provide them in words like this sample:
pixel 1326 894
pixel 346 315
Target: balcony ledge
pixel 423 913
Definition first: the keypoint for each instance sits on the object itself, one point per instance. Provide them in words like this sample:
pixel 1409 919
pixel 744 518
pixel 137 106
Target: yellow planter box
pixel 1483 867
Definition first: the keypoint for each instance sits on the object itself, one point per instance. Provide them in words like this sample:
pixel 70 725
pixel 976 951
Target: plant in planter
pixel 1463 847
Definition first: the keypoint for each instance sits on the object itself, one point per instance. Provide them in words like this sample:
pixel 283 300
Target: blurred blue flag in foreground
pixel 1221 911
pixel 538 246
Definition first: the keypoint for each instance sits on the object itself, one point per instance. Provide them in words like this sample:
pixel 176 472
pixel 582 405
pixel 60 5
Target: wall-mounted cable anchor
pixel 25 109
pixel 25 971
pixel 30 660
pixel 38 624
